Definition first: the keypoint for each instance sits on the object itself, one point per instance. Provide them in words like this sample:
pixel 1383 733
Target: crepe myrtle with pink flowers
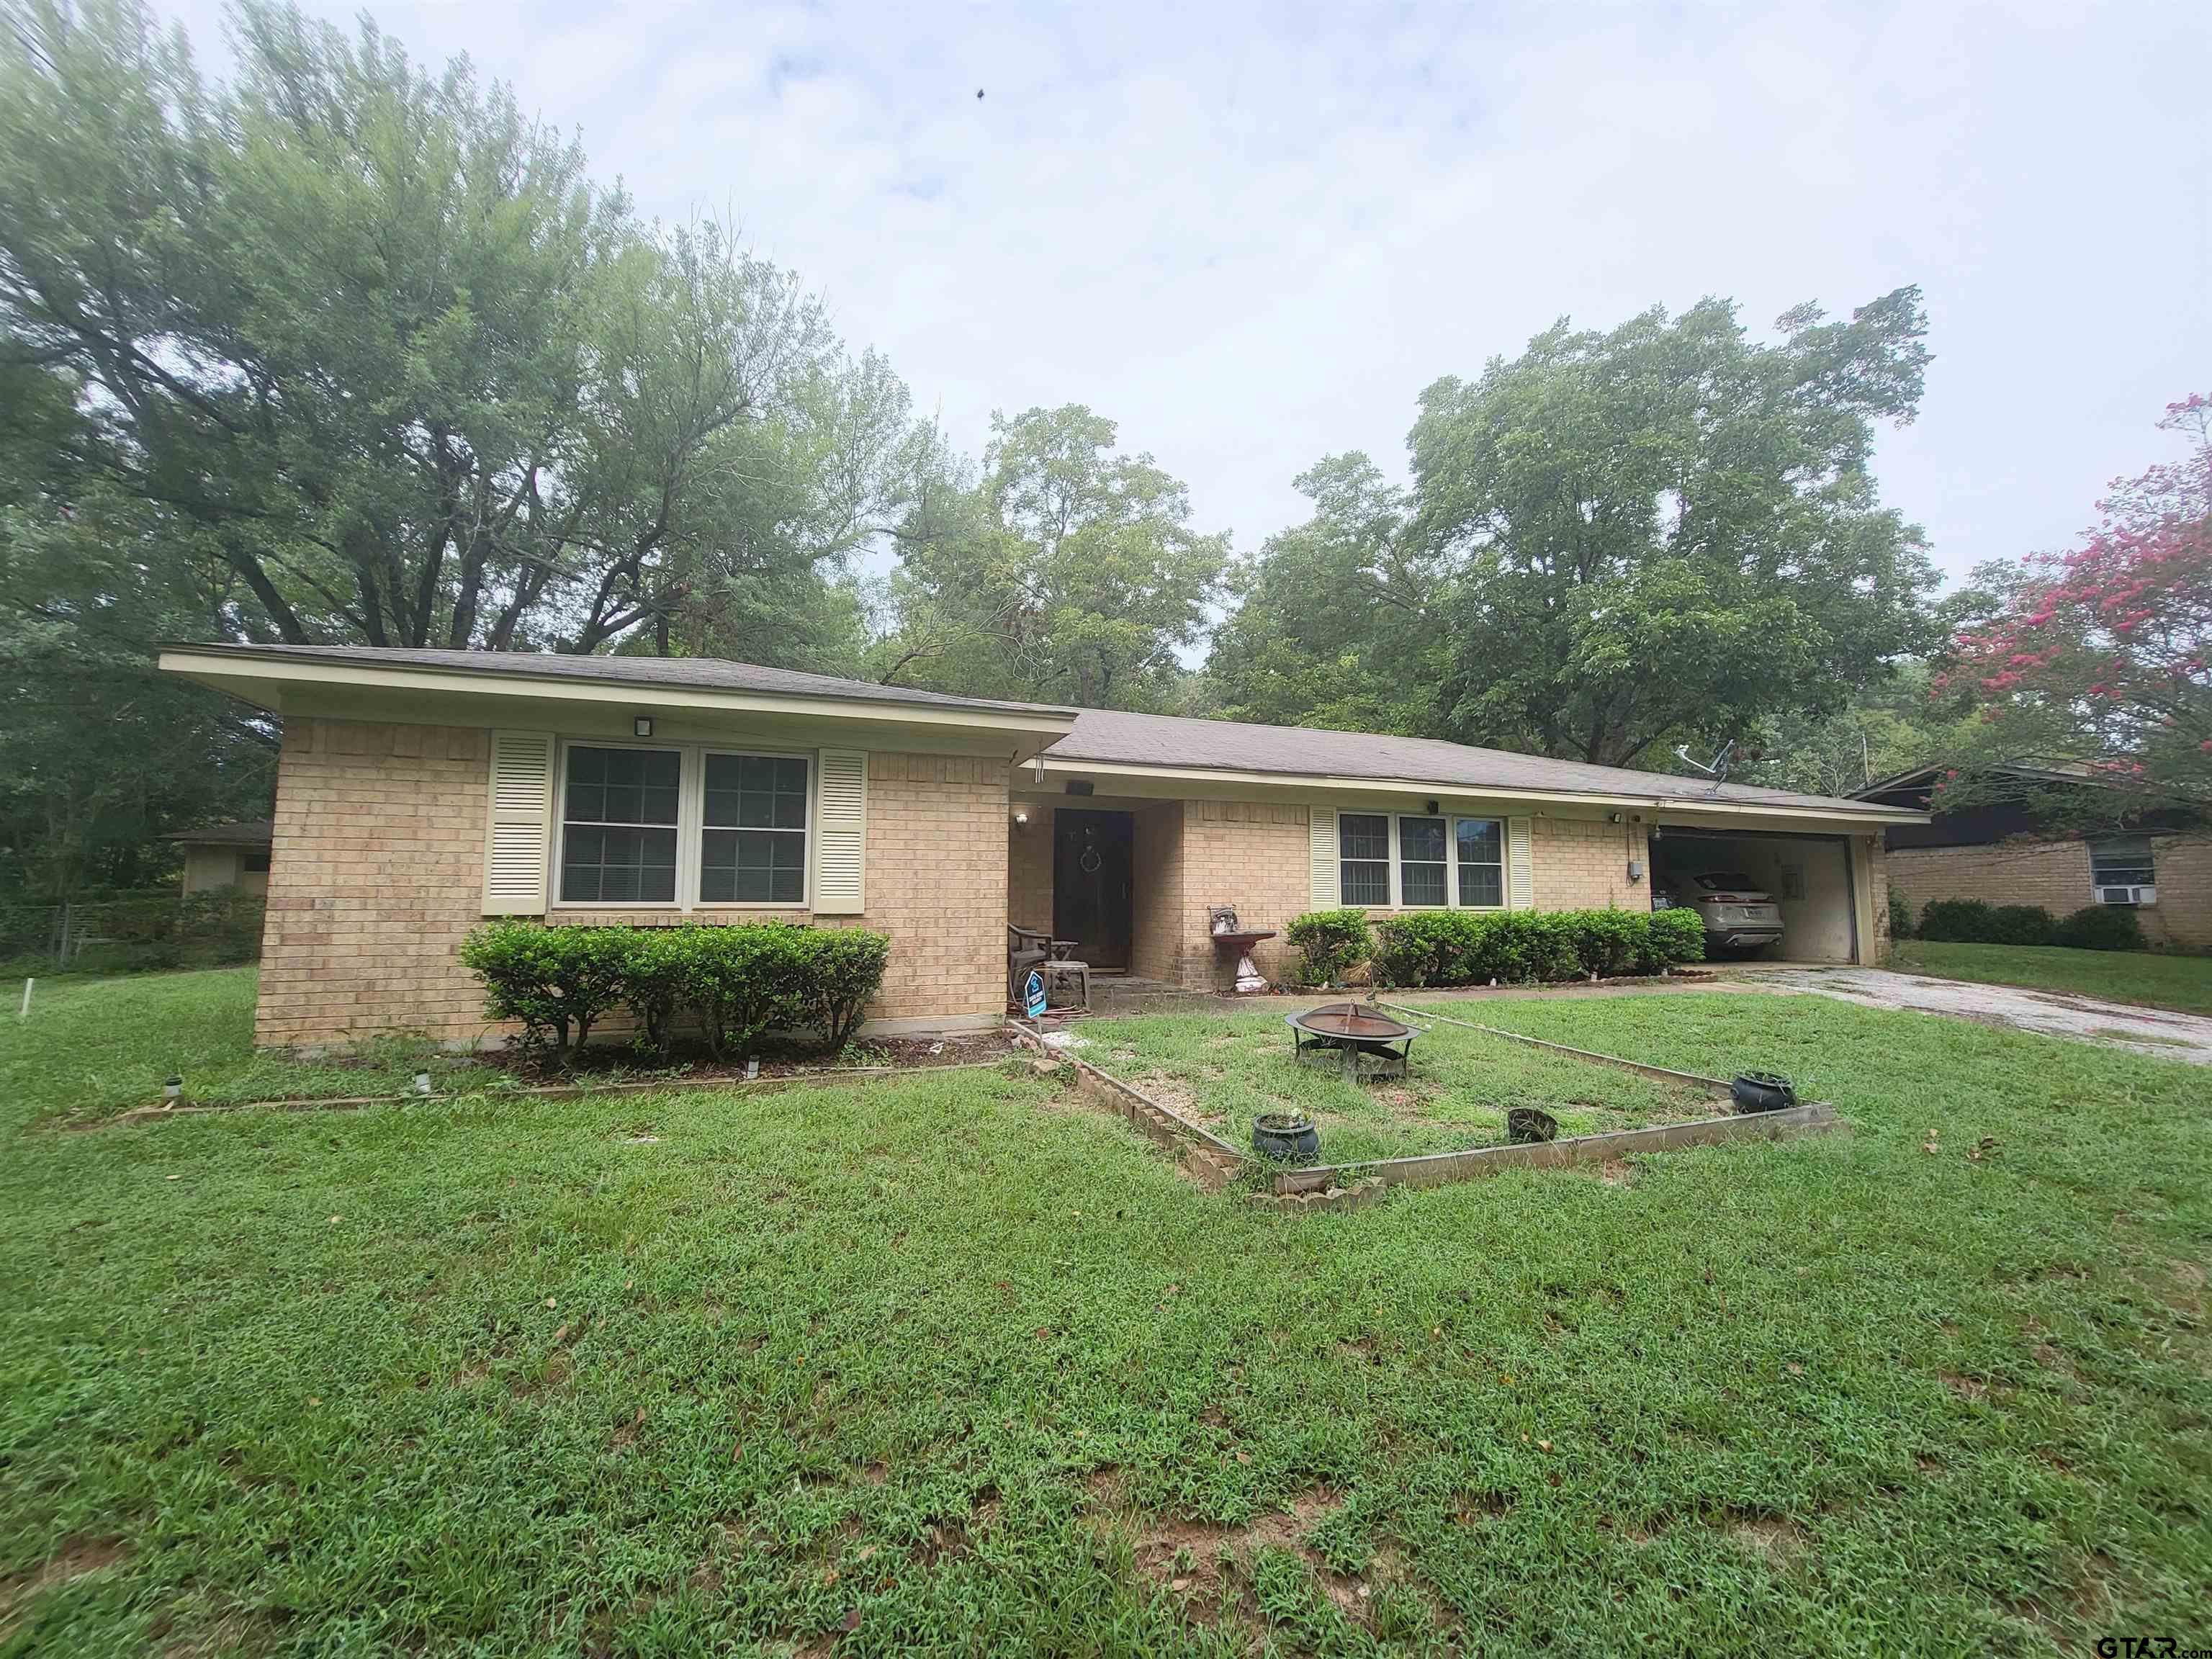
pixel 2096 659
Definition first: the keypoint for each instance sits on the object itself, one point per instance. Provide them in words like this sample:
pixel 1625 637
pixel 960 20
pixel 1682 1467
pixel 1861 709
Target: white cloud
pixel 1251 234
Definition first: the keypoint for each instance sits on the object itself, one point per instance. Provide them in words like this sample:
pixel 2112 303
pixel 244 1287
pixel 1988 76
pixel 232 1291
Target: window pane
pixel 1480 884
pixel 622 786
pixel 1481 845
pixel 1421 883
pixel 752 866
pixel 1421 839
pixel 2122 861
pixel 755 791
pixel 1362 881
pixel 618 866
pixel 1362 836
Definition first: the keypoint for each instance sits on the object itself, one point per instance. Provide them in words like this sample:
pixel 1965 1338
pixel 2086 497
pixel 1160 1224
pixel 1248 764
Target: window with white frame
pixel 1423 875
pixel 618 813
pixel 1420 860
pixel 753 830
pixel 1364 858
pixel 2122 861
pixel 1480 848
pixel 683 826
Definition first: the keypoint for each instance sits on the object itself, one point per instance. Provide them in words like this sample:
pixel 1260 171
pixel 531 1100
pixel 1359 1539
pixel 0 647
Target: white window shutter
pixel 1520 876
pixel 518 837
pixel 841 832
pixel 1323 873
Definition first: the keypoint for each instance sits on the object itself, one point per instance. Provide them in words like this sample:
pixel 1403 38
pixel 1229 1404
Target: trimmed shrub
pixel 554 979
pixel 1970 921
pixel 1956 920
pixel 1900 915
pixel 1464 947
pixel 740 981
pixel 840 970
pixel 1331 943
pixel 2103 927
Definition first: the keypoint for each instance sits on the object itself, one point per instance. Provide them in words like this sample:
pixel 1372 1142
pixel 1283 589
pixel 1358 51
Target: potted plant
pixel 1286 1138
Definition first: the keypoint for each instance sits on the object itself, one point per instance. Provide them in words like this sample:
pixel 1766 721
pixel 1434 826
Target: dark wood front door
pixel 1091 883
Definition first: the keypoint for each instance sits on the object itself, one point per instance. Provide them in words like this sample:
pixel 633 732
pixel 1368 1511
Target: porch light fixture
pixel 1021 815
pixel 641 725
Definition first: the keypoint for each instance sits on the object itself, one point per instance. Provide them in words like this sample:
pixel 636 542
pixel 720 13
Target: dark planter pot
pixel 1282 1138
pixel 1528 1126
pixel 1763 1092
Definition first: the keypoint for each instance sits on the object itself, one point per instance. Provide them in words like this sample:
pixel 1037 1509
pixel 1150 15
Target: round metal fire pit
pixel 1352 1030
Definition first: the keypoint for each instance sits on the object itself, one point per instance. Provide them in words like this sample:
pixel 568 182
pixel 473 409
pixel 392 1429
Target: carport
pixel 1815 881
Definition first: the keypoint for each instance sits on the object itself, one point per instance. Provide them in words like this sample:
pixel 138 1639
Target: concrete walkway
pixel 2055 1013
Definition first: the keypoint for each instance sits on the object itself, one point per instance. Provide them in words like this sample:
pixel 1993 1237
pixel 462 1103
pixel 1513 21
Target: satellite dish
pixel 1718 770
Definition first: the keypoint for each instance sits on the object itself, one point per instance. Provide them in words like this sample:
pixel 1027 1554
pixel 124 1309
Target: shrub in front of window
pixel 1900 915
pixel 842 969
pixel 2103 927
pixel 1460 947
pixel 1970 921
pixel 739 982
pixel 556 981
pixel 1330 944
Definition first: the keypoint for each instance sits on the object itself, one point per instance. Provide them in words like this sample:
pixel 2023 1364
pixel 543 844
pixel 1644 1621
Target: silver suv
pixel 1738 914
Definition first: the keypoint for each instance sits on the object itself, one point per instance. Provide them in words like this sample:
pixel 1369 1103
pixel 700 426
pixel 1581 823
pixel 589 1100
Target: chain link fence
pixel 132 932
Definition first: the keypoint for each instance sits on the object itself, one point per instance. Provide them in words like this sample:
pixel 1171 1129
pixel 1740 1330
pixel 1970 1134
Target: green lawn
pixel 1224 1069
pixel 2155 979
pixel 952 1365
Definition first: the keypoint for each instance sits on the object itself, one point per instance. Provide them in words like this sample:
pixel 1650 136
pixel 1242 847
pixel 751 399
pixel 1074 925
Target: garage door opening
pixel 1806 878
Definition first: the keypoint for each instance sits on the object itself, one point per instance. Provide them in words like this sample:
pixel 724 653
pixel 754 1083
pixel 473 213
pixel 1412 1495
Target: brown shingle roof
pixel 696 673
pixel 1110 737
pixel 247 832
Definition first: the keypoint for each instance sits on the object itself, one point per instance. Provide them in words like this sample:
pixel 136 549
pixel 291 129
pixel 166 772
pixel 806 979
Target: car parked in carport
pixel 1738 914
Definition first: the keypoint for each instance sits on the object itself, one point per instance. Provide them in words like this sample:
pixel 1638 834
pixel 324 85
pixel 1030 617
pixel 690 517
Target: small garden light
pixel 422 1083
pixel 172 1090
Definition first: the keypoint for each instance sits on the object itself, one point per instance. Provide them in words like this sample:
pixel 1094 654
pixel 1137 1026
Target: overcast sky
pixel 1251 234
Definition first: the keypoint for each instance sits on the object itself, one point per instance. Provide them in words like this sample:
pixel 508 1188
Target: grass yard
pixel 2153 978
pixel 951 1364
pixel 1226 1068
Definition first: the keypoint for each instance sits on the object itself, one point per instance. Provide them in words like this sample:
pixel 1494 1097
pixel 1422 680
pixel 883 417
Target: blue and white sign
pixel 1033 995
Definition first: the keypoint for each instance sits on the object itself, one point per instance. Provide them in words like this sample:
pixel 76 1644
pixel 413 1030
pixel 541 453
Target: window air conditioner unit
pixel 2127 896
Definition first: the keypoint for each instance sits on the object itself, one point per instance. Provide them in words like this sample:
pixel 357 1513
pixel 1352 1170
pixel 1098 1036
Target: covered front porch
pixel 1134 880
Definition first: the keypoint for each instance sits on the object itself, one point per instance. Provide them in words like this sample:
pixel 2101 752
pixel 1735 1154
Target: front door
pixel 1091 883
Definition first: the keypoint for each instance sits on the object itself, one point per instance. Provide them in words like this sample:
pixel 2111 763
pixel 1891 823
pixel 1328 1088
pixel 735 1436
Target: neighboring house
pixel 226 855
pixel 421 791
pixel 2003 851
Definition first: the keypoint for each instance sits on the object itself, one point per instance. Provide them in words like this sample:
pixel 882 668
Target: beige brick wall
pixel 2055 875
pixel 1156 893
pixel 378 875
pixel 1254 855
pixel 375 875
pixel 1578 863
pixel 1028 869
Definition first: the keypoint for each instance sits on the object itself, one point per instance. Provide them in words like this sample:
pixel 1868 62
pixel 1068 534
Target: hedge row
pixel 2092 927
pixel 1474 947
pixel 739 982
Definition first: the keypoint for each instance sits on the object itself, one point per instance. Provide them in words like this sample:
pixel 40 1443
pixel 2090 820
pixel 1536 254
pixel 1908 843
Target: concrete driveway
pixel 2055 1013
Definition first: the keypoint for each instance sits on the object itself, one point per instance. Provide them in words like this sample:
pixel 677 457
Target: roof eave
pixel 1871 816
pixel 247 672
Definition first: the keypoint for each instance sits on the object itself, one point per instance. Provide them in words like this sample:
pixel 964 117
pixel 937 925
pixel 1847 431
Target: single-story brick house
pixel 226 855
pixel 2007 848
pixel 420 791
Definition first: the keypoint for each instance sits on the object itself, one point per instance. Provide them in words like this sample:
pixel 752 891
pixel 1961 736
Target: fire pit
pixel 1351 1031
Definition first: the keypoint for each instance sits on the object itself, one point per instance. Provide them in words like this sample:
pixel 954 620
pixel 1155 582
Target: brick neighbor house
pixel 2006 849
pixel 420 792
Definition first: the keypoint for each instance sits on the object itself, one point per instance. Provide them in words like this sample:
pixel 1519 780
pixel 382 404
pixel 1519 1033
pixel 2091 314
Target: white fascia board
pixel 1318 782
pixel 238 673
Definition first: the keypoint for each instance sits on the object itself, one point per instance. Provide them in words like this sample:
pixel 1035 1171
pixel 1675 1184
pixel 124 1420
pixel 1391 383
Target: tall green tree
pixel 407 375
pixel 1668 529
pixel 1069 572
pixel 1338 622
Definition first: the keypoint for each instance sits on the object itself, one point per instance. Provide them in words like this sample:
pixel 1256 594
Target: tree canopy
pixel 2095 660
